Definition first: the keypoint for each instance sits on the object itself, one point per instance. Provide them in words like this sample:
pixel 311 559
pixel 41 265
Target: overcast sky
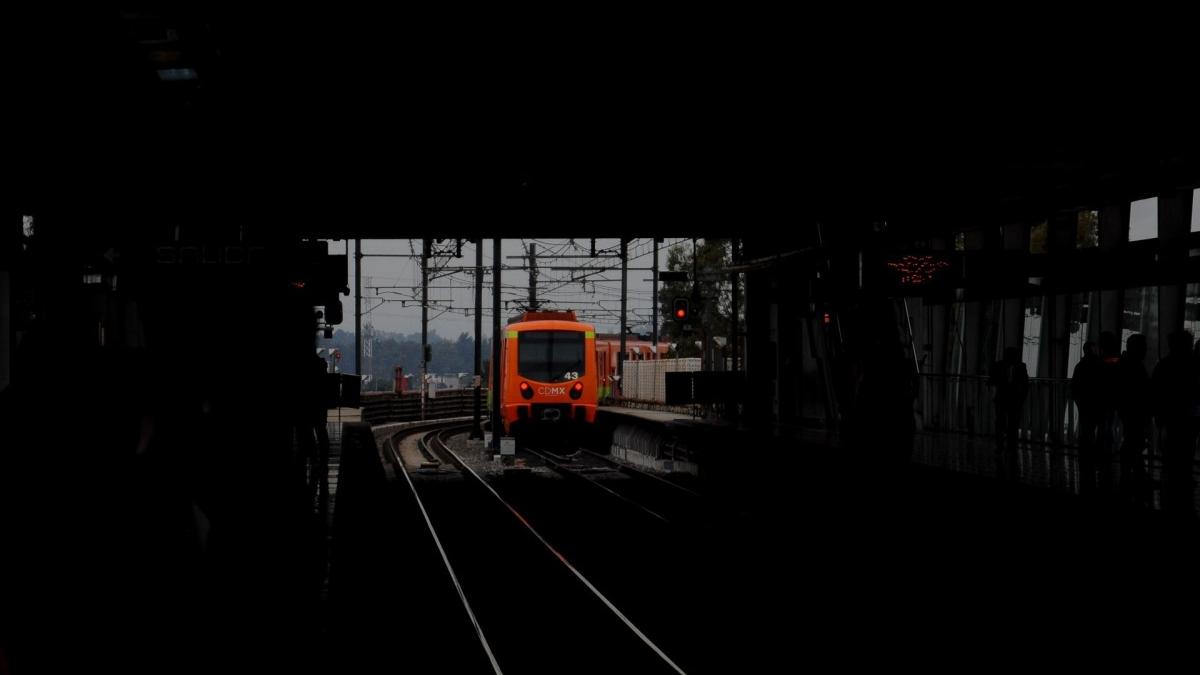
pixel 392 285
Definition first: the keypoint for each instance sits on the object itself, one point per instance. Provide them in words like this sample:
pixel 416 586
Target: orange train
pixel 549 378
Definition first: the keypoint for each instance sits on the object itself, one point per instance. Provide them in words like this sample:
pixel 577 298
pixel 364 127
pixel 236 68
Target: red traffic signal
pixel 681 309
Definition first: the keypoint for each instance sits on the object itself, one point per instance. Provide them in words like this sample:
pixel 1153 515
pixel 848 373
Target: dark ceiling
pixel 375 125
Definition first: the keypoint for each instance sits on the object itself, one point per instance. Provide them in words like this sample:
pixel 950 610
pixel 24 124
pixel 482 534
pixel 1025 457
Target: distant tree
pixel 1037 237
pixel 711 301
pixel 1087 229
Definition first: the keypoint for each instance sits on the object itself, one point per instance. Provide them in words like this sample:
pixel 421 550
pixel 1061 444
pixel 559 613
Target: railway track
pixel 678 565
pixel 649 494
pixel 530 608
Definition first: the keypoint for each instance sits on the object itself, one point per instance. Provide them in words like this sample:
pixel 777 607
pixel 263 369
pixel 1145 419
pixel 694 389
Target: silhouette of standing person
pixel 1011 383
pixel 1106 439
pixel 311 424
pixel 1085 391
pixel 1174 394
pixel 1133 407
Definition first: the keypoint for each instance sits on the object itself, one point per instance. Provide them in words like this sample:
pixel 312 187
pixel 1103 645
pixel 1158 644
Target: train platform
pixel 641 414
pixel 677 442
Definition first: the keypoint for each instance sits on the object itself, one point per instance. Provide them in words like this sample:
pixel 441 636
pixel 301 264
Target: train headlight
pixel 577 389
pixel 526 391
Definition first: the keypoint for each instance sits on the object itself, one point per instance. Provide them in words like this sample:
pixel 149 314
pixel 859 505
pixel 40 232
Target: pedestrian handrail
pixel 965 404
pixel 386 407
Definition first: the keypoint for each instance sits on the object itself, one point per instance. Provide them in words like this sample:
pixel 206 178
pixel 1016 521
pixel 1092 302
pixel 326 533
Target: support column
pixel 497 427
pixel 760 350
pixel 1056 325
pixel 1174 225
pixel 1114 231
pixel 1012 310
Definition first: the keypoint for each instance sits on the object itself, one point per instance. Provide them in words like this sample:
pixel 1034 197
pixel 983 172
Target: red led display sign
pixel 917 270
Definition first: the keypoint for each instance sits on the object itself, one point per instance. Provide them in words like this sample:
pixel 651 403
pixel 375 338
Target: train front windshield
pixel 550 355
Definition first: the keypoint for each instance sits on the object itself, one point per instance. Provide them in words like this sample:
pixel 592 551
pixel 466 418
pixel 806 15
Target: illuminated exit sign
pixel 918 270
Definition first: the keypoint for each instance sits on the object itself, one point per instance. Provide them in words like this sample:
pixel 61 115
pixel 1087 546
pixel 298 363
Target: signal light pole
pixel 654 301
pixel 496 337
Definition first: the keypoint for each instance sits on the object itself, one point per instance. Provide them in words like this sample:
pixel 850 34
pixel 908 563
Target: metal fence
pixel 964 403
pixel 389 407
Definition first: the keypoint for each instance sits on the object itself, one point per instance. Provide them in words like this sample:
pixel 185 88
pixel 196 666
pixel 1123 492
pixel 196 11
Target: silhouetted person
pixel 1134 409
pixel 1110 385
pixel 1174 397
pixel 1010 381
pixel 1086 387
pixel 313 420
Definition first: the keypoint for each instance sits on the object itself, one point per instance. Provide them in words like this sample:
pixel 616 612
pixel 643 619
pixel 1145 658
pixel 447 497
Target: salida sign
pixel 910 272
pixel 916 270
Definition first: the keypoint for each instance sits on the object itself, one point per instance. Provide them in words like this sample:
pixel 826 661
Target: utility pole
pixel 497 427
pixel 476 429
pixel 533 303
pixel 358 307
pixel 654 302
pixel 624 280
pixel 424 321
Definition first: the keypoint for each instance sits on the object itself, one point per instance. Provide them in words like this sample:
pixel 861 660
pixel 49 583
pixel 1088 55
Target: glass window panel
pixel 1191 309
pixel 1140 315
pixel 1037 237
pixel 1196 210
pixel 1143 219
pixel 1032 343
pixel 1087 229
pixel 550 356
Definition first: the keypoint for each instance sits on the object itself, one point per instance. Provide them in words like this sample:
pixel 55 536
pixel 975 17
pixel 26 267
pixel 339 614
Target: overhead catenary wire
pixel 556 290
